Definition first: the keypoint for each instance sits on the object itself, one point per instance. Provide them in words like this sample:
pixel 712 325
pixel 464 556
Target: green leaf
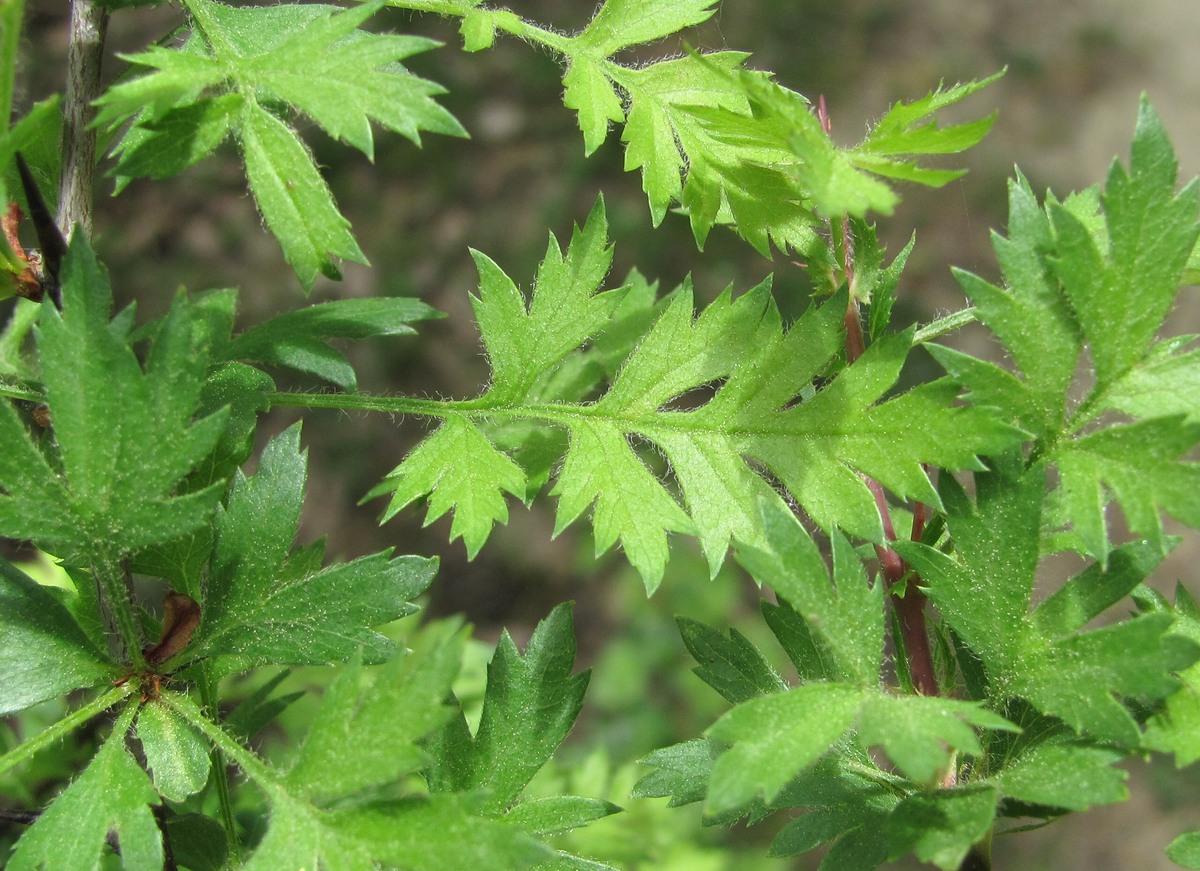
pixel 294 199
pixel 658 125
pixel 1046 357
pixel 295 339
pixel 344 78
pixel 1175 728
pixel 845 620
pixel 560 813
pixel 125 435
pixel 919 732
pixel 427 834
pixel 197 842
pixel 366 736
pixel 941 827
pixel 530 704
pixel 1122 295
pixel 732 666
pixel 112 794
pixel 262 605
pixel 776 737
pixel 313 58
pixel 622 23
pixel 589 92
pixel 727 398
pixel 984 596
pixel 1096 588
pixel 461 470
pixel 525 339
pixel 43 652
pixel 177 756
pixel 1141 466
pixel 1185 850
pixel 681 772
pixel 1064 774
pixel 176 139
pixel 1165 384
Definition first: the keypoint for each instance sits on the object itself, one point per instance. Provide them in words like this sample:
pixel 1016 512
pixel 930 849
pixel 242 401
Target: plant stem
pixel 63 727
pixel 116 606
pixel 89 22
pixel 910 607
pixel 208 699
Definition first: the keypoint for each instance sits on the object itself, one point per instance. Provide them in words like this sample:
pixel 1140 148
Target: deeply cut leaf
pixel 757 410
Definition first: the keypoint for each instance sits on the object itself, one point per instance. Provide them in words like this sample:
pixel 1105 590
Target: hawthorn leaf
pixel 919 732
pixel 774 738
pixel 559 813
pixel 909 129
pixel 43 651
pixel 111 794
pixel 656 124
pixel 295 339
pixel 312 57
pixel 1064 774
pixel 461 470
pixel 844 620
pixel 1185 850
pixel 622 23
pixel 175 140
pixel 728 398
pixel 1141 465
pixel 589 92
pixel 529 706
pixel 681 772
pixel 1165 384
pixel 344 78
pixel 367 736
pixel 1175 727
pixel 984 594
pixel 1046 357
pixel 126 436
pixel 425 834
pixel 262 605
pixel 294 199
pixel 525 339
pixel 941 827
pixel 198 842
pixel 178 757
pixel 1121 296
pixel 1096 588
pixel 732 666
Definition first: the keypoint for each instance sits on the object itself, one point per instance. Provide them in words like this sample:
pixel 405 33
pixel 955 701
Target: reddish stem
pixel 910 608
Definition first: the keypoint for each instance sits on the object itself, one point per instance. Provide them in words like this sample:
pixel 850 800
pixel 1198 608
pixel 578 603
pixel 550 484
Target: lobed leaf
pixel 727 397
pixel 126 435
pixel 112 794
pixel 296 339
pixel 311 57
pixel 43 651
pixel 367 736
pixel 529 706
pixel 264 605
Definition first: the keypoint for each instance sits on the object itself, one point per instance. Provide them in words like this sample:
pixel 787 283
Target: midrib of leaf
pixel 566 416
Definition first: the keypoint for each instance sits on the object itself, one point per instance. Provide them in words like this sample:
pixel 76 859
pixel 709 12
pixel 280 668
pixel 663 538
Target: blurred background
pixel 1066 109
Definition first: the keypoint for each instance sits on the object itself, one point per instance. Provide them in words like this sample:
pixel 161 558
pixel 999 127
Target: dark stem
pixel 89 21
pixel 160 817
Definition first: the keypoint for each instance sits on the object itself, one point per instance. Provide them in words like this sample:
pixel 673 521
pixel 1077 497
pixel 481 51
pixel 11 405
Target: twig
pixel 89 22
